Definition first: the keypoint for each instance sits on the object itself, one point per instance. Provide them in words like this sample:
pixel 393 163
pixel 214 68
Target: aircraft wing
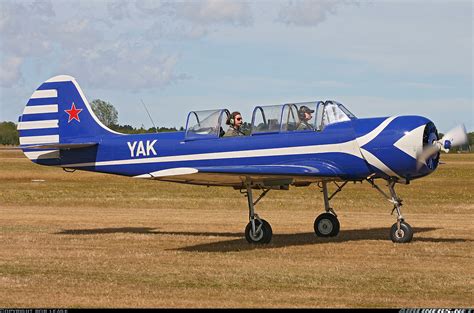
pixel 270 175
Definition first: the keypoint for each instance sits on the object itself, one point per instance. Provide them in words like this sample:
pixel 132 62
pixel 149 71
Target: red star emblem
pixel 73 113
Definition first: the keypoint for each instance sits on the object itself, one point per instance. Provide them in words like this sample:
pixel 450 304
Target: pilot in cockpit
pixel 304 114
pixel 235 122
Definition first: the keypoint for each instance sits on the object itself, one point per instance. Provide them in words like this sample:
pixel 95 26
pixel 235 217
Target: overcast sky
pixel 379 58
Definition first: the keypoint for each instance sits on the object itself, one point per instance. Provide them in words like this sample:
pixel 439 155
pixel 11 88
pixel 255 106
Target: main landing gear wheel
pixel 326 225
pixel 262 234
pixel 257 231
pixel 402 235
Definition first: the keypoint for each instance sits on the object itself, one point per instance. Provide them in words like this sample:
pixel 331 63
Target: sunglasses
pixel 238 119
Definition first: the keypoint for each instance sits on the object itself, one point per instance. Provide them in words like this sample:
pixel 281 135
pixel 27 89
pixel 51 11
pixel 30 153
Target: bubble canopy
pixel 268 119
pixel 290 116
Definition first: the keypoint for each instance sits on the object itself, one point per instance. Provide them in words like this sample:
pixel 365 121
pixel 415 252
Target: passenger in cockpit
pixel 235 122
pixel 304 114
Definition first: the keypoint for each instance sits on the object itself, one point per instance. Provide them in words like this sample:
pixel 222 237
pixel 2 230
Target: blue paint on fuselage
pixel 173 144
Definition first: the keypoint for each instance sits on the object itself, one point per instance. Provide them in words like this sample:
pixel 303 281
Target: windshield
pixel 331 112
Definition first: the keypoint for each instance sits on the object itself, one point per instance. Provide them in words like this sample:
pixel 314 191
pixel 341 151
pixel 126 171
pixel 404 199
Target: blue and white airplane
pixel 59 128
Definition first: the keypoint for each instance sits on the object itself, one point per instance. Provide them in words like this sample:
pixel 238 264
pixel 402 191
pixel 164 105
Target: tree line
pixel 108 115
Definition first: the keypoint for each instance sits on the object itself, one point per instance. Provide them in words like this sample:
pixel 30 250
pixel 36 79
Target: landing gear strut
pixel 327 224
pixel 258 231
pixel 401 231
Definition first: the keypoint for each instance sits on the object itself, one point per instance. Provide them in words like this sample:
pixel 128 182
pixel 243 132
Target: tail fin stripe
pixel 48 93
pixel 38 132
pixel 39 139
pixel 49 108
pixel 38 124
pixel 39 117
pixel 42 101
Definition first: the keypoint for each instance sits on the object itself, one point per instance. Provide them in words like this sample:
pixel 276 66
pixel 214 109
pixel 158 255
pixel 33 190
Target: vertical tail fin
pixel 58 113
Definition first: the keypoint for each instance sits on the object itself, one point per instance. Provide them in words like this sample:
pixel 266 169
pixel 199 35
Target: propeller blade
pixel 453 138
pixel 457 136
pixel 427 153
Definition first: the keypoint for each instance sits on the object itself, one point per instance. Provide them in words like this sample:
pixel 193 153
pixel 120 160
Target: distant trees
pixel 108 115
pixel 127 129
pixel 8 134
pixel 105 112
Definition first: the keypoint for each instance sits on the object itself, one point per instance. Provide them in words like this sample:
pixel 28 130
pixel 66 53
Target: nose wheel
pixel 401 233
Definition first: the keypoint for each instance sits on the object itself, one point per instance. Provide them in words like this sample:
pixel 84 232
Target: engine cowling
pixel 391 145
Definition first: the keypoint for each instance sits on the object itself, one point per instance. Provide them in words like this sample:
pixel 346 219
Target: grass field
pixel 93 240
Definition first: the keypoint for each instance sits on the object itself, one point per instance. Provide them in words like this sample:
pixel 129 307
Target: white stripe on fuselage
pixel 374 161
pixel 369 157
pixel 363 140
pixel 349 147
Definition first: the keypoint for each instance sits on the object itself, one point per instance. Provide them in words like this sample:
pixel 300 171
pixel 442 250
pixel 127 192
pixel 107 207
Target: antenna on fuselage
pixel 156 129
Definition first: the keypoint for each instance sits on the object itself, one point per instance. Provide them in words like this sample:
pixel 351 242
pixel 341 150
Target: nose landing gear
pixel 401 231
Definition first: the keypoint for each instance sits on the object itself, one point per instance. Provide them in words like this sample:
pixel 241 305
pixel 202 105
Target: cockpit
pixel 289 117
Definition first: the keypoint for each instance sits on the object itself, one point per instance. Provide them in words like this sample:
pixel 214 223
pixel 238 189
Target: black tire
pixel 404 235
pixel 264 236
pixel 326 225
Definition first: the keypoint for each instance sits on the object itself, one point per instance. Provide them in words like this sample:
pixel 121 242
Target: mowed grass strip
pixel 94 240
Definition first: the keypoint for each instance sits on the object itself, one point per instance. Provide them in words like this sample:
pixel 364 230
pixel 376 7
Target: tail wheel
pixel 263 232
pixel 326 225
pixel 402 235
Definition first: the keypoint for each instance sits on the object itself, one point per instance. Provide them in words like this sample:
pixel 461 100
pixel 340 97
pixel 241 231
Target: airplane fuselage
pixel 352 150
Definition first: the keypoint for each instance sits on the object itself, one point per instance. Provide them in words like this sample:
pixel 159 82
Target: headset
pixel 301 113
pixel 231 119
